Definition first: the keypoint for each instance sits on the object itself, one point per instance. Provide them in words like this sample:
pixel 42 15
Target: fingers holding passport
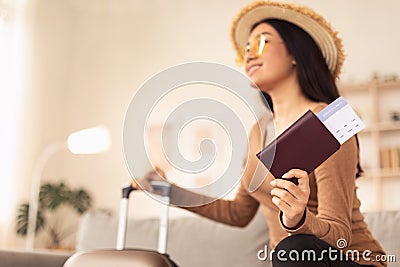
pixel 290 198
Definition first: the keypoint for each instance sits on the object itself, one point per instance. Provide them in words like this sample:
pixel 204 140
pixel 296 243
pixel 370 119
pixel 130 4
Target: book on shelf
pixel 394 158
pixel 390 158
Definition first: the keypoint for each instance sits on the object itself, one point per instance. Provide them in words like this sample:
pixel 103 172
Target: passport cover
pixel 304 145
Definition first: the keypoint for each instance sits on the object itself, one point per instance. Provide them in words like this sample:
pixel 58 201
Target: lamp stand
pixel 49 151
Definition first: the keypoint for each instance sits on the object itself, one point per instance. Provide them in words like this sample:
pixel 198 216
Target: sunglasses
pixel 255 47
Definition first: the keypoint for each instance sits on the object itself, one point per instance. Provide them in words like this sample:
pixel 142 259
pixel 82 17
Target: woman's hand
pixel 291 199
pixel 144 183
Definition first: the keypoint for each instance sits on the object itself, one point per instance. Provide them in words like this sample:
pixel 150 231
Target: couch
pixel 194 241
pixel 197 241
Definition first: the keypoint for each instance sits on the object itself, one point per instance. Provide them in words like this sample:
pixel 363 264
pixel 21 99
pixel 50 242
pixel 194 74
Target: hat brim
pixel 315 25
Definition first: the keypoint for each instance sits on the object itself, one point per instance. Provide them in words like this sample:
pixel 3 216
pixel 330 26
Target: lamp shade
pixel 89 141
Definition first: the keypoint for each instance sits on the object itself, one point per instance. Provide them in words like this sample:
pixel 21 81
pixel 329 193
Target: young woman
pixel 294 57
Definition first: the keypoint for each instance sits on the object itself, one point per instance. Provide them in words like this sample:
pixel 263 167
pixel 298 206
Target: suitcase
pixel 122 257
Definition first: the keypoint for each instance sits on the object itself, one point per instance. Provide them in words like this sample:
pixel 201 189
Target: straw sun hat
pixel 315 25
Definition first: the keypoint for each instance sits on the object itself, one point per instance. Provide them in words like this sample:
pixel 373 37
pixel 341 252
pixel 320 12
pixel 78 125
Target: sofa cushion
pixel 385 227
pixel 192 241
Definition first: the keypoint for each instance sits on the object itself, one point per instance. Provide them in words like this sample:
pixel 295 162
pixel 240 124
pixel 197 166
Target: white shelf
pixel 371 99
pixel 382 173
pixel 382 127
pixel 349 88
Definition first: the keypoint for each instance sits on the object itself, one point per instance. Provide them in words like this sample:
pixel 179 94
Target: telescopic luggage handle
pixel 160 188
pixel 163 189
pixel 123 217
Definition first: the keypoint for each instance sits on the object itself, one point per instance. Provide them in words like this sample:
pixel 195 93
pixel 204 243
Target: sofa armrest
pixel 10 258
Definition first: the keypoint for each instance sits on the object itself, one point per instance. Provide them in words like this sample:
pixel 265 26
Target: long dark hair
pixel 315 79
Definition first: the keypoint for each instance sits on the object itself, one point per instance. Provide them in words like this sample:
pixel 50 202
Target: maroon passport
pixel 304 145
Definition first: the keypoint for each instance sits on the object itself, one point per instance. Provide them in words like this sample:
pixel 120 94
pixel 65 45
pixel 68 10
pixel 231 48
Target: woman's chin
pixel 258 81
pixel 262 87
pixel 255 82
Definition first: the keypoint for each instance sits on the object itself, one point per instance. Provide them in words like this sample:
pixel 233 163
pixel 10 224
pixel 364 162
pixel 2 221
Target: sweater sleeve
pixel 241 210
pixel 237 212
pixel 335 180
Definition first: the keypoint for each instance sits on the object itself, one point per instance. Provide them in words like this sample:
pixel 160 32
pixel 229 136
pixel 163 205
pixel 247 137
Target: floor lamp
pixel 88 141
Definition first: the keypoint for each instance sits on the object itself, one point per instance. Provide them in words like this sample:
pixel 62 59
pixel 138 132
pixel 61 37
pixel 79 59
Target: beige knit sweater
pixel 333 209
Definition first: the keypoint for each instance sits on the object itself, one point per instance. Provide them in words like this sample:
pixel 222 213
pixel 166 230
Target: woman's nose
pixel 249 56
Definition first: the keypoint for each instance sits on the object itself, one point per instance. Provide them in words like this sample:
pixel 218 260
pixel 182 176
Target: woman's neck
pixel 289 104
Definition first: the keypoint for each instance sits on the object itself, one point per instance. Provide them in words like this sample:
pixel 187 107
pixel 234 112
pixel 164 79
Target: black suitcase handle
pixel 126 191
pixel 160 188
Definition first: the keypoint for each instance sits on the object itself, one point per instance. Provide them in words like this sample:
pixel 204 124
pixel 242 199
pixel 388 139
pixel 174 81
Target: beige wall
pixel 88 58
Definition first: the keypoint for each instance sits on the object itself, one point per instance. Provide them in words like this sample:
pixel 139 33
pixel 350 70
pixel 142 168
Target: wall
pixel 90 56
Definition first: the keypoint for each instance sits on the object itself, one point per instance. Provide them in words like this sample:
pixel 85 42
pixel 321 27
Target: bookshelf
pixel 378 105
